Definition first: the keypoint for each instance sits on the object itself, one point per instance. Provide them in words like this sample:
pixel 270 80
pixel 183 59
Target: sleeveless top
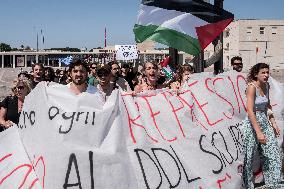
pixel 260 102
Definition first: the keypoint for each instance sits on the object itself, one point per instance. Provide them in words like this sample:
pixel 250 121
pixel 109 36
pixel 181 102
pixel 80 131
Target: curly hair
pixel 182 69
pixel 255 70
pixel 25 82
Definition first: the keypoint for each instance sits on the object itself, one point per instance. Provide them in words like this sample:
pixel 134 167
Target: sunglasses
pixel 102 74
pixel 93 67
pixel 238 63
pixel 20 87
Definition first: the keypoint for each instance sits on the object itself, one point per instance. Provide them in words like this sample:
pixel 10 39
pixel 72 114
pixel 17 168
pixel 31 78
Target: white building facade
pixel 255 41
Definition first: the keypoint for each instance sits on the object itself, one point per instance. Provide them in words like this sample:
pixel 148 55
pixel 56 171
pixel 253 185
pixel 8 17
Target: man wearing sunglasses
pixel 116 80
pixel 237 63
pixel 92 80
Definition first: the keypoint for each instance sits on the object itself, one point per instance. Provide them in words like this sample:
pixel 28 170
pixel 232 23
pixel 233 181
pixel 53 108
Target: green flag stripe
pixel 167 37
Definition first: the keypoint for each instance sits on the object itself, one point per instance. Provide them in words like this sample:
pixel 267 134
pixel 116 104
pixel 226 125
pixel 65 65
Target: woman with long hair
pixel 183 75
pixel 260 130
pixel 12 105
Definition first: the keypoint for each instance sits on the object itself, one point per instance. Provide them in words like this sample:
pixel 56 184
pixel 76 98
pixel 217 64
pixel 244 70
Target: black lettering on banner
pixel 211 153
pixel 54 114
pixel 142 168
pixel 66 118
pixel 32 113
pixel 72 116
pixel 78 115
pixel 94 116
pixel 188 180
pixel 91 169
pixel 28 116
pixel 72 159
pixel 237 136
pixel 87 116
pixel 222 155
pixel 160 149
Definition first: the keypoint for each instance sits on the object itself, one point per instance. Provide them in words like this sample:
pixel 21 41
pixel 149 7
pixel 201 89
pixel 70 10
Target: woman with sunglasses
pixel 12 105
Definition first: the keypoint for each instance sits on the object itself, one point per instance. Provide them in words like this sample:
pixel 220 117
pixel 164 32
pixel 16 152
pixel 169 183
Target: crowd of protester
pixel 260 132
pixel 97 78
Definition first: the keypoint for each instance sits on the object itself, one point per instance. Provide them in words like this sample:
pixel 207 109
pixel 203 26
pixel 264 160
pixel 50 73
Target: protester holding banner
pixel 12 105
pixel 150 70
pixel 105 87
pixel 183 75
pixel 260 131
pixel 78 72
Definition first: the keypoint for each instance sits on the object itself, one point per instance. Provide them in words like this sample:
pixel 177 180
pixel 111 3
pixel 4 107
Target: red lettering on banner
pixel 237 99
pixel 223 180
pixel 238 78
pixel 153 115
pixel 193 116
pixel 229 103
pixel 132 121
pixel 174 110
pixel 201 108
pixel 29 171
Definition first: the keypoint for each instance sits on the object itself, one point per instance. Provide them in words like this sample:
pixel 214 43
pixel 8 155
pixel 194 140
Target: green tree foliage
pixel 5 47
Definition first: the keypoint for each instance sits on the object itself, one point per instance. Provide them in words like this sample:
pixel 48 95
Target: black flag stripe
pixel 198 8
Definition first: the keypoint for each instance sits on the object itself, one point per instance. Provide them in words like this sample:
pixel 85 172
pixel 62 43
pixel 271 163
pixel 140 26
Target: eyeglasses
pixel 20 87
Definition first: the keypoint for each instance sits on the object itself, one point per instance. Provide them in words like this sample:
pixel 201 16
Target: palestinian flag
pixel 187 25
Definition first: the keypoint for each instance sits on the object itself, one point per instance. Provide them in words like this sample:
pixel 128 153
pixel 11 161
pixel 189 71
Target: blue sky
pixel 81 23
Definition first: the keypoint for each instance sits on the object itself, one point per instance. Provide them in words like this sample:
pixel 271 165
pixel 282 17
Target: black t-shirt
pixel 10 103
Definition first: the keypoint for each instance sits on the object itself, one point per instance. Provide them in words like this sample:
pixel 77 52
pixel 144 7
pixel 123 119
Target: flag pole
pixel 173 57
pixel 218 66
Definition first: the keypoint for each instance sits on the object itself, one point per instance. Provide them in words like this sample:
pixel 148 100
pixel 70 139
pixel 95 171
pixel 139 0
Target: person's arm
pixel 251 114
pixel 7 123
pixel 271 117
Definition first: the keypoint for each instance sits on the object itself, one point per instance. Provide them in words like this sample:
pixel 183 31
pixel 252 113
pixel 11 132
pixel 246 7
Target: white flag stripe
pixel 176 20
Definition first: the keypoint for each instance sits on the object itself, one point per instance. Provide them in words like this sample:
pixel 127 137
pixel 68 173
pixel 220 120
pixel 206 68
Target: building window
pixel 274 30
pixel 249 30
pixel 261 30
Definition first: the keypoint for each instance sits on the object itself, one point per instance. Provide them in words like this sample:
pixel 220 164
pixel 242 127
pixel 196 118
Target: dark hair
pixel 103 70
pixel 51 72
pixel 182 69
pixel 37 64
pixel 236 58
pixel 125 66
pixel 255 70
pixel 78 62
pixel 112 63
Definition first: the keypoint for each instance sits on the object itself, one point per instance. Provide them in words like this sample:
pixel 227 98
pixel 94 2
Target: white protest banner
pixel 155 140
pixel 16 169
pixel 126 52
